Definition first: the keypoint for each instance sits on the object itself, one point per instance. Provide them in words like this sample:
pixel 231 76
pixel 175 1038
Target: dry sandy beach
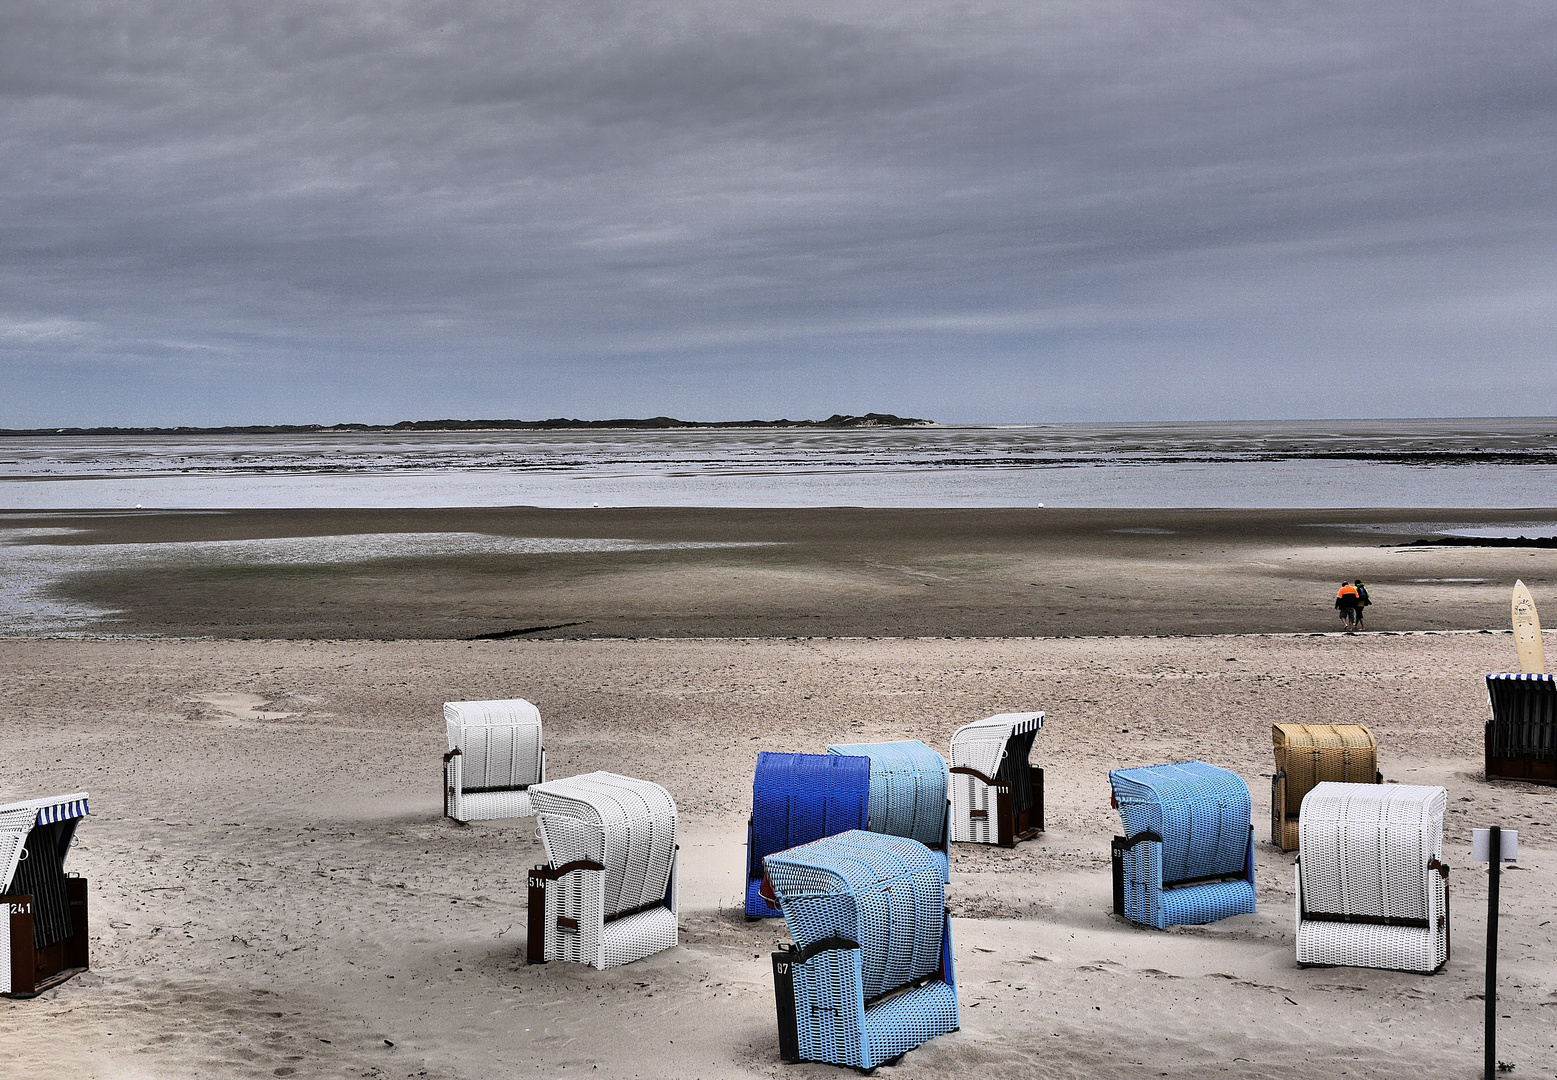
pixel 275 894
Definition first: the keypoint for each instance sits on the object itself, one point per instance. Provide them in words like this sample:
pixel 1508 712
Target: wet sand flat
pixel 769 573
pixel 274 893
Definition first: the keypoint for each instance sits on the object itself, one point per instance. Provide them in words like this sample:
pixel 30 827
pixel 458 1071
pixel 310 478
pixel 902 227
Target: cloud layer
pixel 1014 211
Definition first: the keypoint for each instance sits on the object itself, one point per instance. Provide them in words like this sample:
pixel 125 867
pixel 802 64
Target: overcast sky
pixel 367 210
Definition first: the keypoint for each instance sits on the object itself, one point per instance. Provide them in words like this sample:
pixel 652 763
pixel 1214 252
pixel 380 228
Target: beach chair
pixel 1372 889
pixel 908 794
pixel 996 795
pixel 1521 738
pixel 870 973
pixel 495 755
pixel 608 894
pixel 1188 856
pixel 43 913
pixel 798 798
pixel 1309 754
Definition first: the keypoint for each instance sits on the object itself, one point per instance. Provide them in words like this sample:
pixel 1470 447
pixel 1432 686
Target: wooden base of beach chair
pixel 27 971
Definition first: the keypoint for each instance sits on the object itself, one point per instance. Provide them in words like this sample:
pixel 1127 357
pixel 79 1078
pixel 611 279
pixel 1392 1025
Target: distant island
pixel 653 423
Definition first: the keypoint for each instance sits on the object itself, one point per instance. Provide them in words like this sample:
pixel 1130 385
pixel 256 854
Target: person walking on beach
pixel 1346 602
pixel 1362 601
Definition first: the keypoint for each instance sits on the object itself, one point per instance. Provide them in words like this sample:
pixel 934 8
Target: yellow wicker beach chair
pixel 1309 754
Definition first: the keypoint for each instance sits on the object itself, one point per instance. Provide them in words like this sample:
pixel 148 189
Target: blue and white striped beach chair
pixel 1189 853
pixel 43 913
pixel 1521 737
pixel 870 975
pixel 798 798
pixel 908 794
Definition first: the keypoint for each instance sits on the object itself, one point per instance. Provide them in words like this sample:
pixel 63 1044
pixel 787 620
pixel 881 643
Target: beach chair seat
pixel 608 893
pixel 1310 754
pixel 1521 738
pixel 1188 856
pixel 908 794
pixel 870 974
pixel 798 798
pixel 996 795
pixel 43 913
pixel 1372 889
pixel 495 756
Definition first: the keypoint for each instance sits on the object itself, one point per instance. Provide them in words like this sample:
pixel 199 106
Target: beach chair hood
pixel 499 742
pixel 626 825
pixel 18 819
pixel 982 745
pixel 1201 812
pixel 883 893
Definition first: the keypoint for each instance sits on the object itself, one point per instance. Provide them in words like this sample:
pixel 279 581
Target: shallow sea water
pixel 1428 464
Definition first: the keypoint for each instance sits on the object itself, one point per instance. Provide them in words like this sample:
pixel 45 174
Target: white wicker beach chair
pixel 1372 890
pixel 996 795
pixel 608 895
pixel 495 755
pixel 43 913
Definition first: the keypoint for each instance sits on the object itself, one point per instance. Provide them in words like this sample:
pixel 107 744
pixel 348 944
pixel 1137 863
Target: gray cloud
pixel 1004 211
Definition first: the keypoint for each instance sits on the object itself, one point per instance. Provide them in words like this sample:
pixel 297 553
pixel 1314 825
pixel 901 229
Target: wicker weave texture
pixel 626 825
pixel 489 805
pixel 1524 716
pixel 499 741
pixel 579 898
pixel 1313 753
pixel 1149 903
pixel 907 789
pixel 981 745
pixel 830 1009
pixel 1396 948
pixel 1201 812
pixel 970 796
pixel 884 892
pixel 798 798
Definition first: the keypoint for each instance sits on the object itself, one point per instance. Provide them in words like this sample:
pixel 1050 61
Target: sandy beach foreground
pixel 274 893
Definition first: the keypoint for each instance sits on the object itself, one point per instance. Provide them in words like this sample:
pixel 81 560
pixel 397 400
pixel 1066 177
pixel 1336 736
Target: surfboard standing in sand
pixel 1527 632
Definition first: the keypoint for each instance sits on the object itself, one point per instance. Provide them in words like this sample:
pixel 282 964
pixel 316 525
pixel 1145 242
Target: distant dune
pixel 653 423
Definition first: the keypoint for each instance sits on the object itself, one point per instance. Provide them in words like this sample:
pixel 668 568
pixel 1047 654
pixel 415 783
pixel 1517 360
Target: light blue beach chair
pixel 908 794
pixel 1189 854
pixel 870 975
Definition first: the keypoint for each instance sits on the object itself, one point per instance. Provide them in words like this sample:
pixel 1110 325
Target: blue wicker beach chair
pixel 870 974
pixel 795 799
pixel 908 794
pixel 1189 855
